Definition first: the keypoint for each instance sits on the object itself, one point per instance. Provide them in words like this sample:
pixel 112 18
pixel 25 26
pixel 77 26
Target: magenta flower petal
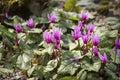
pixel 114 48
pixel 18 27
pixel 51 17
pixel 80 24
pixel 56 33
pixel 85 37
pixel 30 23
pixel 95 51
pixel 118 52
pixel 77 28
pixel 103 58
pixel 117 43
pixel 76 33
pixel 47 36
pixel 95 39
pixel 84 15
pixel 90 27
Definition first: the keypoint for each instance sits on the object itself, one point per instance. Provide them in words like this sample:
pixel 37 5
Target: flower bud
pixel 51 17
pixel 30 23
pixel 18 27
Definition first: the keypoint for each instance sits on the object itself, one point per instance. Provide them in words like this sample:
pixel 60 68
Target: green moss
pixel 68 78
pixel 70 6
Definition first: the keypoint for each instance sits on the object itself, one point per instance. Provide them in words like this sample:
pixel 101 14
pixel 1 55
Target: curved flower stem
pixel 91 57
pixel 115 56
pixel 27 36
pixel 79 45
pixel 101 70
pixel 91 54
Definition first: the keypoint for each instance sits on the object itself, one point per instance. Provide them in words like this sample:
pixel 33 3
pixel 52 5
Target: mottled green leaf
pixel 52 64
pixel 0 56
pixel 30 71
pixel 5 70
pixel 6 32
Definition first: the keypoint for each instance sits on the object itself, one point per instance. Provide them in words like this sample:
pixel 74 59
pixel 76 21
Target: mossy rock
pixel 104 2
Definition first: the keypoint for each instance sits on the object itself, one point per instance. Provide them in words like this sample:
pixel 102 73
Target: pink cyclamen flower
pixel 16 42
pixel 47 36
pixel 95 51
pixel 30 23
pixel 6 13
pixel 85 37
pixel 118 52
pixel 18 27
pixel 56 33
pixel 103 58
pixel 117 43
pixel 80 24
pixel 77 28
pixel 76 33
pixel 51 17
pixel 84 15
pixel 90 27
pixel 95 39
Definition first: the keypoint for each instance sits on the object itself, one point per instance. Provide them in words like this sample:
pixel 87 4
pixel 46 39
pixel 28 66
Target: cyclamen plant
pixel 54 38
pixel 18 28
pixel 82 31
pixel 88 35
